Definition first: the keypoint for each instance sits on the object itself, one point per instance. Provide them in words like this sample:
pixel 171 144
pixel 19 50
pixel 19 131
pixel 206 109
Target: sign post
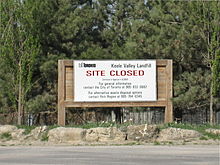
pixel 123 83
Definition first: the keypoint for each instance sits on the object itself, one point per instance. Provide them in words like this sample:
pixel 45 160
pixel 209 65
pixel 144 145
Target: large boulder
pixel 66 135
pixel 12 132
pixel 7 129
pixel 18 134
pixel 146 133
pixel 213 131
pixel 170 134
pixel 101 134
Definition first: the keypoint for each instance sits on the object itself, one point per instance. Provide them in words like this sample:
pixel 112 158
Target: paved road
pixel 108 155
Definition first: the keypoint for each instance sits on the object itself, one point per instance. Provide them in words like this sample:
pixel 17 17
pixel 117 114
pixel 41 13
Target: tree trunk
pixel 211 107
pixel 19 105
pixel 211 99
pixel 19 97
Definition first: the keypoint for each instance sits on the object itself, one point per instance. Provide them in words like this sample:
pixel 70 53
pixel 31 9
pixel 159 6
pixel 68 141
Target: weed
pixel 127 144
pixel 27 129
pixel 170 143
pixel 44 137
pixel 203 138
pixel 157 143
pixel 132 143
pixel 52 127
pixel 94 125
pixel 211 135
pixel 6 136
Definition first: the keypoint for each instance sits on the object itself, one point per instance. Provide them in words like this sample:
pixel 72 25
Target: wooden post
pixel 61 93
pixel 169 92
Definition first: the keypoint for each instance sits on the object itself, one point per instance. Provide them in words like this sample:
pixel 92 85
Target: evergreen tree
pixel 35 34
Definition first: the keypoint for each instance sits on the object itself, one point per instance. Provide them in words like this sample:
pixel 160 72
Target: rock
pixel 37 133
pixel 170 134
pixel 116 134
pixel 18 134
pixel 66 135
pixel 11 135
pixel 7 128
pixel 101 134
pixel 213 131
pixel 147 133
pixel 13 132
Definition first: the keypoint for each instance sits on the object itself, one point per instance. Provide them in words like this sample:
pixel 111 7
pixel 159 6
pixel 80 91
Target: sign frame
pixel 145 84
pixel 164 69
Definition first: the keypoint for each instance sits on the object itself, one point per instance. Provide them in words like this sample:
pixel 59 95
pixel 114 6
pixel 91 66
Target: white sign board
pixel 115 81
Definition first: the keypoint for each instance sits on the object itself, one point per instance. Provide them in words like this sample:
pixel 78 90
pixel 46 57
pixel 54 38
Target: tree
pixel 192 90
pixel 207 17
pixel 187 32
pixel 35 34
pixel 18 53
pixel 216 75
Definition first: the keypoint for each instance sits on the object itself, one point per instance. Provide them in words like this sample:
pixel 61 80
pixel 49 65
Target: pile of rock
pixel 12 135
pixel 171 134
pixel 111 135
pixel 146 133
pixel 213 131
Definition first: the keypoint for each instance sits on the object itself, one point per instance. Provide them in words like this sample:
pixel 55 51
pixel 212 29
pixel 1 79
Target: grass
pixel 92 125
pixel 6 136
pixel 45 136
pixel 102 124
pixel 127 144
pixel 95 125
pixel 157 143
pixel 212 136
pixel 203 138
pixel 27 129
